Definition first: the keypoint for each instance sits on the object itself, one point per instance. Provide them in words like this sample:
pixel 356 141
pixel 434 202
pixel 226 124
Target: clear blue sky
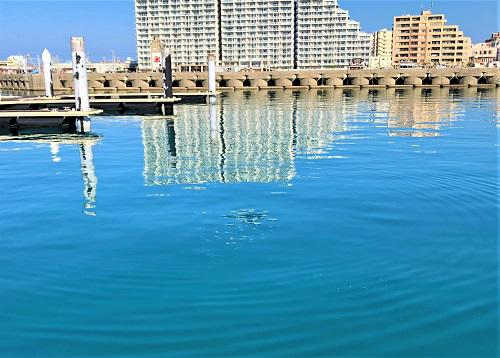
pixel 27 27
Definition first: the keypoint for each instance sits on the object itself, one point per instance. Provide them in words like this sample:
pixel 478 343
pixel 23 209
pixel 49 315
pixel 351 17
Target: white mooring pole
pixel 80 82
pixel 47 72
pixel 80 74
pixel 212 95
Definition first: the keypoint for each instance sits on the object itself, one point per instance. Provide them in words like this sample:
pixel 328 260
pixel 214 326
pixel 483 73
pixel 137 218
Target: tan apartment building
pixel 427 40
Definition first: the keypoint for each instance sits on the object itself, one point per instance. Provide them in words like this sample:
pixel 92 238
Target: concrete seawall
pixel 367 78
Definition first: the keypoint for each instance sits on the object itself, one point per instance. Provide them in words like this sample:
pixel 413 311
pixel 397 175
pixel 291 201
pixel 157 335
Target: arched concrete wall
pixel 284 82
pixel 470 81
pixel 258 79
pixel 360 81
pixel 413 80
pixel 96 84
pixel 235 83
pixel 117 83
pixel 334 81
pixel 143 83
pixel 259 82
pixel 443 81
pixel 187 83
pixel 387 81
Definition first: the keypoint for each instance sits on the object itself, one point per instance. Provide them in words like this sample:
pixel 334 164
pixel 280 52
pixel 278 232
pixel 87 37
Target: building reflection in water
pixel 85 144
pixel 209 144
pixel 246 137
pixel 256 136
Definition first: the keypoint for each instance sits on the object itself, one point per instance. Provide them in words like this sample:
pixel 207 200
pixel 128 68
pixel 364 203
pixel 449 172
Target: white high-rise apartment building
pixel 257 34
pixel 275 34
pixel 188 27
pixel 326 37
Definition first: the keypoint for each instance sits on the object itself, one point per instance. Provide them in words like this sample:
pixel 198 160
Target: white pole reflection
pixel 214 132
pixel 54 150
pixel 89 177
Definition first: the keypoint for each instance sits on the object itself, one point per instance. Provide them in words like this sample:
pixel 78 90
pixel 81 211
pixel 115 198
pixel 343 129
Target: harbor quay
pixel 255 80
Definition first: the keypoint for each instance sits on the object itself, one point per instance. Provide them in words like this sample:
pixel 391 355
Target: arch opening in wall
pixel 427 81
pixel 347 81
pixel 482 80
pixel 175 83
pixel 152 83
pixel 373 81
pixel 400 81
pixel 223 83
pixel 198 83
pixel 296 82
pixel 271 82
pixel 106 83
pixel 247 83
pixel 321 81
pixel 454 81
pixel 128 83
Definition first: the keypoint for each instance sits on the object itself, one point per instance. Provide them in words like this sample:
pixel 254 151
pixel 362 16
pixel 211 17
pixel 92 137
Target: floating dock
pixel 116 105
pixel 182 97
pixel 70 119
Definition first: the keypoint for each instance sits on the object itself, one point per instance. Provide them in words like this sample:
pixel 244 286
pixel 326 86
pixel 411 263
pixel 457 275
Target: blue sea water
pixel 312 224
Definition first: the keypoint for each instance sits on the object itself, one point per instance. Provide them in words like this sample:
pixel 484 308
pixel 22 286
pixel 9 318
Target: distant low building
pixel 483 54
pixel 494 41
pixel 380 62
pixel 15 64
pixel 488 52
pixel 99 67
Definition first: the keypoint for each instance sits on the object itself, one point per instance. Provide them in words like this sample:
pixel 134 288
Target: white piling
pixel 80 74
pixel 212 95
pixel 80 82
pixel 47 72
